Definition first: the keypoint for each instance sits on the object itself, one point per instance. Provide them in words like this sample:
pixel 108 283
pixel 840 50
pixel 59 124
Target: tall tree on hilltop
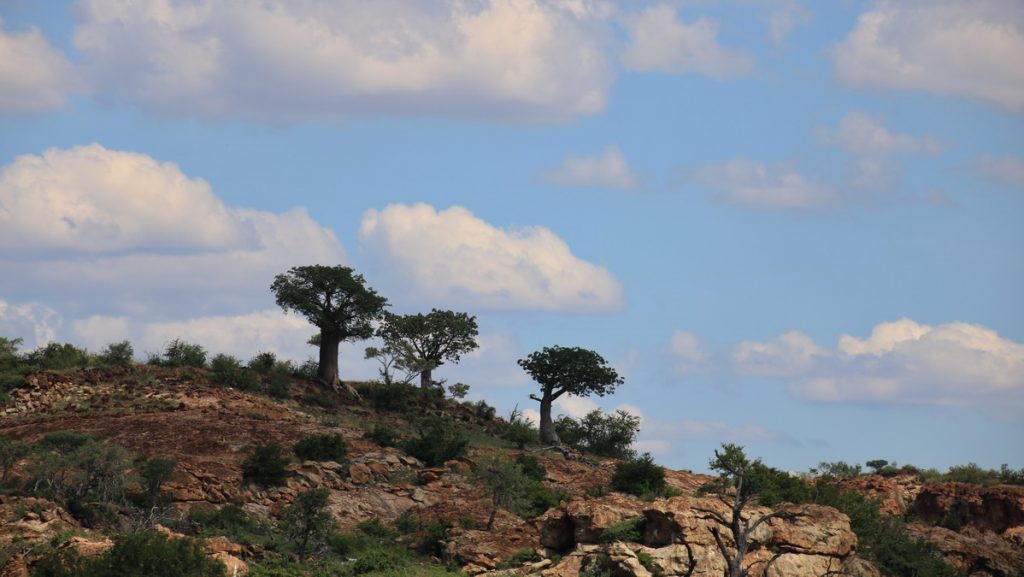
pixel 426 341
pixel 335 300
pixel 572 370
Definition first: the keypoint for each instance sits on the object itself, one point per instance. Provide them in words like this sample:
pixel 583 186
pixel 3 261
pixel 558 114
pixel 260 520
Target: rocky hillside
pixel 210 430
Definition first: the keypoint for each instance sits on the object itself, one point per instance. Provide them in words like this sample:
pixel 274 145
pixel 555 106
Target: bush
pixel 630 531
pixel 388 397
pixel 539 499
pixel 230 520
pixel 532 467
pixel 229 372
pixel 81 474
pixel 382 435
pixel 307 522
pixel 375 560
pixel 265 466
pixel 277 385
pixel 458 390
pixel 839 470
pixel 602 434
pixel 118 354
pixel 179 353
pixel 521 433
pixel 57 357
pixel 154 472
pixel 435 539
pixel 11 452
pixel 639 477
pixel 436 441
pixel 971 473
pixel 153 554
pixel 264 362
pixel 322 448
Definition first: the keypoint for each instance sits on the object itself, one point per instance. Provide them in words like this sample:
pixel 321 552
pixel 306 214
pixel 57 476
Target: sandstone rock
pixel 817 530
pixel 16 567
pixel 896 493
pixel 973 550
pixel 489 548
pixel 360 473
pixel 428 476
pixel 87 547
pixel 365 503
pixel 223 545
pixel 686 518
pixel 986 508
pixel 590 517
pixel 623 562
pixel 235 566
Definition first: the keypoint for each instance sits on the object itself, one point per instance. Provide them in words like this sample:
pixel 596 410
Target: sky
pixel 791 225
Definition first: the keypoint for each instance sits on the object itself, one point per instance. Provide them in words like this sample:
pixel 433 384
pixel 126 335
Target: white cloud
pixel 860 134
pixel 966 49
pixel 34 76
pixel 278 61
pixel 451 256
pixel 119 233
pixel 694 429
pixel 37 324
pixel 1005 169
pixel 787 354
pixel 752 184
pixel 686 352
pixel 784 17
pixel 901 362
pixel 239 335
pixel 573 406
pixel 608 169
pixel 661 42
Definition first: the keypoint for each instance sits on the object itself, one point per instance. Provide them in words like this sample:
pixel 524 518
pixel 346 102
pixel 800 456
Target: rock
pixel 489 548
pixel 590 517
pixel 380 471
pixel 428 476
pixel 686 518
pixel 360 474
pixel 87 547
pixel 223 545
pixel 623 562
pixel 896 493
pixel 993 509
pixel 236 567
pixel 818 530
pixel 973 550
pixel 15 567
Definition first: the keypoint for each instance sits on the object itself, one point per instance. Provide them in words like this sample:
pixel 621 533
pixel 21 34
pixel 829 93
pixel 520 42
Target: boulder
pixel 973 550
pixel 623 562
pixel 687 518
pixel 814 530
pixel 590 517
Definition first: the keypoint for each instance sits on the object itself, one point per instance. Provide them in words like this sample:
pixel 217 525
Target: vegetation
pixel 143 554
pixel 630 530
pixel 566 370
pixel 641 477
pixel 307 522
pixel 424 342
pixel 436 441
pixel 179 353
pixel 602 434
pixel 118 354
pixel 503 481
pixel 382 435
pixel 322 448
pixel 266 466
pixel 338 302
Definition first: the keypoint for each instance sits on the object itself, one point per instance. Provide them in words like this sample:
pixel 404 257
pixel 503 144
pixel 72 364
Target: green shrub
pixel 118 354
pixel 154 472
pixel 230 520
pixel 396 397
pixel 483 411
pixel 57 357
pixel 264 362
pixel 144 554
pixel 375 560
pixel 266 466
pixel 229 372
pixel 11 452
pixel 382 435
pixel 971 473
pixel 63 442
pixel 539 499
pixel 179 353
pixel 458 390
pixel 639 476
pixel 277 385
pixel 307 521
pixel 630 530
pixel 839 470
pixel 521 433
pixel 603 434
pixel 532 467
pixel 435 539
pixel 408 523
pixel 322 448
pixel 374 528
pixel 436 441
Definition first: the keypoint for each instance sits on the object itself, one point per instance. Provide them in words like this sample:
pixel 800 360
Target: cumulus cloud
pixel 452 256
pixel 861 134
pixel 606 170
pixel 34 76
pixel 784 17
pixel 1004 169
pixel 687 353
pixel 279 61
pixel 900 362
pixel 965 49
pixel 35 323
pixel 120 233
pixel 751 184
pixel 661 42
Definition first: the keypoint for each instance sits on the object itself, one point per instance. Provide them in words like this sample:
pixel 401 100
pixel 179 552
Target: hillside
pixel 396 515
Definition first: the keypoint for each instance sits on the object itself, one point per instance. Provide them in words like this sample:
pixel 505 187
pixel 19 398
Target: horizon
pixel 787 226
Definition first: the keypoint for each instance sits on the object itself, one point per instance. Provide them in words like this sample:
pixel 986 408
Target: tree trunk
pixel 547 425
pixel 426 378
pixel 490 520
pixel 327 370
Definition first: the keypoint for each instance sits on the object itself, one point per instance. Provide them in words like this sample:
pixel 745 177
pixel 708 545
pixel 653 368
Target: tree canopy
pixel 426 341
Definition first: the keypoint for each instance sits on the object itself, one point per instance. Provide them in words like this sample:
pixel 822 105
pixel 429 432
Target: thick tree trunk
pixel 547 424
pixel 426 378
pixel 327 371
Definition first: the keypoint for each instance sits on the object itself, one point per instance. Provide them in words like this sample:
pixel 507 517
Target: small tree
pixel 739 484
pixel 572 370
pixel 426 341
pixel 877 465
pixel 391 361
pixel 120 354
pixel 307 520
pixel 503 481
pixel 11 452
pixel 336 301
pixel 601 434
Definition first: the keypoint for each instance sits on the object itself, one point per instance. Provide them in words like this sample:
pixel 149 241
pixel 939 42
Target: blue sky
pixel 791 225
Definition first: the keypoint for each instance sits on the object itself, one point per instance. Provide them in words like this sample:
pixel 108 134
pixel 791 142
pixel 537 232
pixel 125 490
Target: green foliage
pixel 602 434
pixel 81 474
pixel 307 521
pixel 424 342
pixel 118 354
pixel 458 390
pixel 266 466
pixel 571 370
pixel 520 432
pixel 376 560
pixel 322 448
pixel 63 442
pixel 229 372
pixel 483 411
pixel 277 385
pixel 434 540
pixel 839 470
pixel 971 473
pixel 532 467
pixel 503 481
pixel 408 523
pixel 145 554
pixel 877 465
pixel 436 441
pixel 11 452
pixel 382 435
pixel 374 528
pixel 264 362
pixel 12 369
pixel 179 353
pixel 539 498
pixel 58 357
pixel 396 396
pixel 630 531
pixel 230 520
pixel 154 471
pixel 640 476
